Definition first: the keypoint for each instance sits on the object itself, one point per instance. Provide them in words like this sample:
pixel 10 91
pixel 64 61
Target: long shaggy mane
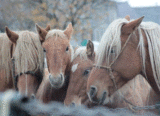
pixel 80 51
pixel 28 53
pixel 5 54
pixel 111 41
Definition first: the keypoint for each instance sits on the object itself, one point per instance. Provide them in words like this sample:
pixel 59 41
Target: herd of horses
pixel 123 72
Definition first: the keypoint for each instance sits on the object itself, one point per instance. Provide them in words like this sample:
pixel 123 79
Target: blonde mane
pixel 111 41
pixel 28 53
pixel 81 51
pixel 5 54
pixel 59 33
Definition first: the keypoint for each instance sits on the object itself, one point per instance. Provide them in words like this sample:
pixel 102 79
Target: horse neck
pixel 150 77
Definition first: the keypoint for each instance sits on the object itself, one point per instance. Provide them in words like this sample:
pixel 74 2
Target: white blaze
pixel 74 67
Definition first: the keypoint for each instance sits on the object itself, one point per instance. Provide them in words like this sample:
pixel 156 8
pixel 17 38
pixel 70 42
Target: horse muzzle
pixel 56 82
pixel 92 94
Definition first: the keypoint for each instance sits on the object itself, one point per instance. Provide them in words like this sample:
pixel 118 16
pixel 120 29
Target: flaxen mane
pixel 5 54
pixel 59 33
pixel 81 51
pixel 28 53
pixel 111 41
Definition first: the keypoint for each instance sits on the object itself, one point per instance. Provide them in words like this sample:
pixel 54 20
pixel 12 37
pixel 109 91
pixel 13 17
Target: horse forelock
pixel 5 54
pixel 28 53
pixel 57 33
pixel 81 51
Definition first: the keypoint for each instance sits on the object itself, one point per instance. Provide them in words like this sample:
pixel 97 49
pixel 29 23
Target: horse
pixel 27 61
pixel 81 66
pixel 59 55
pixel 127 48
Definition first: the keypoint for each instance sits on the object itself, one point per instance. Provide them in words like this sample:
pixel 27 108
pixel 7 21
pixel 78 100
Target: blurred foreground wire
pixel 13 104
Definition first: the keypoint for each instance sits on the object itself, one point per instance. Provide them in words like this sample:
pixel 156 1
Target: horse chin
pixel 93 100
pixel 103 100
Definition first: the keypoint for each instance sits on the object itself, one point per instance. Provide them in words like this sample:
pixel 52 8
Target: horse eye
pixel 86 72
pixel 67 48
pixel 44 50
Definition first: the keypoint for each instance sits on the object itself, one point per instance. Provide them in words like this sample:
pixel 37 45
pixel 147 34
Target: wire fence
pixel 12 104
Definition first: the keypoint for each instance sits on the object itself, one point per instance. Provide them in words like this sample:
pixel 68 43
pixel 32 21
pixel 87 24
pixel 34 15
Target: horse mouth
pixel 56 84
pixel 96 100
pixel 93 99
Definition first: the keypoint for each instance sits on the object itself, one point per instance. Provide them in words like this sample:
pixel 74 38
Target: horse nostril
pixel 103 97
pixel 93 91
pixel 24 99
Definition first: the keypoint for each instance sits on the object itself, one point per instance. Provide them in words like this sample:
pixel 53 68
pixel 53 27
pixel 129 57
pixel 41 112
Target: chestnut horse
pixel 27 61
pixel 59 54
pixel 127 48
pixel 81 66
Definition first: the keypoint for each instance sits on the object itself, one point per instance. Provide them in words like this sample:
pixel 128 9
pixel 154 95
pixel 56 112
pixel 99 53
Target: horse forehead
pixel 56 41
pixel 98 73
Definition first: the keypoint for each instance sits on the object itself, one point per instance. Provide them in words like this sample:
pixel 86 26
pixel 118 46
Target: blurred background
pixel 89 18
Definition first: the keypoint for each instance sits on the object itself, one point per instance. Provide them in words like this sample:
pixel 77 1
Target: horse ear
pixel 48 28
pixel 90 49
pixel 11 35
pixel 68 31
pixel 42 33
pixel 127 17
pixel 131 26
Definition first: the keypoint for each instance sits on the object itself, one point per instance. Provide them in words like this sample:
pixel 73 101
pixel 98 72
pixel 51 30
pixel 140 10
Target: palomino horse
pixel 127 48
pixel 27 61
pixel 59 54
pixel 81 65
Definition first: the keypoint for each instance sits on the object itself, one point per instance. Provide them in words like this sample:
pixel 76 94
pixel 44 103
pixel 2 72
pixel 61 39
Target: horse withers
pixel 127 48
pixel 59 54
